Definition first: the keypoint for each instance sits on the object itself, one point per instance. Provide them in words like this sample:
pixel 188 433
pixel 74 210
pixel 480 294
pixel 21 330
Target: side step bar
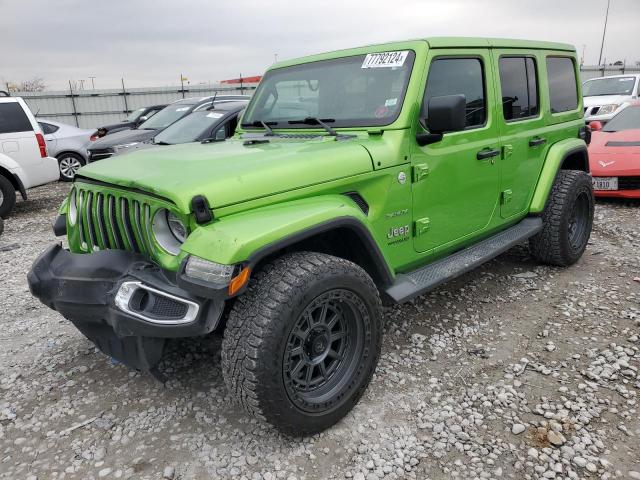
pixel 412 284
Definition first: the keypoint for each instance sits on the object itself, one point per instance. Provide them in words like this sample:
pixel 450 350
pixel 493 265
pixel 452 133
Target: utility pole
pixel 93 85
pixel 604 31
pixel 275 56
pixel 584 47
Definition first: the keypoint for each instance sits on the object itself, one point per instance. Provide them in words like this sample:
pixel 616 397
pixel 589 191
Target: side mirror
pixel 447 113
pixel 142 119
pixel 595 126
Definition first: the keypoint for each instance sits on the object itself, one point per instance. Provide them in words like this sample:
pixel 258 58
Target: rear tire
pixel 7 197
pixel 568 218
pixel 68 164
pixel 302 343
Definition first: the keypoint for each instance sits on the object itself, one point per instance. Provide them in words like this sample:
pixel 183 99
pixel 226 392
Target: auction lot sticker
pixel 385 59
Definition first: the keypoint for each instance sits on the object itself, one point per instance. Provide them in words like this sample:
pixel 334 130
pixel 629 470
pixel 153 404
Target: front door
pixel 456 180
pixel 522 129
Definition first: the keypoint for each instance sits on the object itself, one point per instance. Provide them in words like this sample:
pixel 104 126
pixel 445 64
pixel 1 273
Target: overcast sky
pixel 151 42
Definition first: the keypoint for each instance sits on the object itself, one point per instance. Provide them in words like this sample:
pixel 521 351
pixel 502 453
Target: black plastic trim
pixel 201 209
pixel 382 274
pixel 423 279
pixel 82 287
pixel 60 226
pixel 21 189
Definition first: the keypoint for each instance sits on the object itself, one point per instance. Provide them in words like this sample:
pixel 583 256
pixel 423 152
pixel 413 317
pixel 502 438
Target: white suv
pixel 606 96
pixel 23 154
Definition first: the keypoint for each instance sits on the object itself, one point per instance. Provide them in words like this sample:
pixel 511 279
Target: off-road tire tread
pixel 548 246
pixel 272 289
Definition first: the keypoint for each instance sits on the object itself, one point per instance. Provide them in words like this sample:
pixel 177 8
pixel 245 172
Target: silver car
pixel 68 144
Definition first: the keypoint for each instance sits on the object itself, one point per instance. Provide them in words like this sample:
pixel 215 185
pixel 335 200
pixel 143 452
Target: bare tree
pixel 35 84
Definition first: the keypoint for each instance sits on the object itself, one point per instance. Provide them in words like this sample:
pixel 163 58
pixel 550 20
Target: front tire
pixel 7 197
pixel 567 218
pixel 302 343
pixel 69 164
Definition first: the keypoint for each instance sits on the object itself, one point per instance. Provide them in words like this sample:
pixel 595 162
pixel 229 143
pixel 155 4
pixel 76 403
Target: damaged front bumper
pixel 126 305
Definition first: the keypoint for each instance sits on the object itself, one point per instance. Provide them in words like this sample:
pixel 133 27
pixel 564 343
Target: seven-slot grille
pixel 110 221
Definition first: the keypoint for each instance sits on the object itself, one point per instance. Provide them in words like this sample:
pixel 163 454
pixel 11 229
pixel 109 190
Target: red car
pixel 614 155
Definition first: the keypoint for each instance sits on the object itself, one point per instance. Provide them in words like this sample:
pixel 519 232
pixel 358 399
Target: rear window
pixel 563 90
pixel 13 119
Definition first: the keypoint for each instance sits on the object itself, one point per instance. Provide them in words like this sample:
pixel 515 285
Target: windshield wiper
pixel 316 121
pixel 265 125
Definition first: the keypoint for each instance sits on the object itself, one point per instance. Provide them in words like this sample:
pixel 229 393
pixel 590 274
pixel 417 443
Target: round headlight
pixel 73 208
pixel 169 231
pixel 177 227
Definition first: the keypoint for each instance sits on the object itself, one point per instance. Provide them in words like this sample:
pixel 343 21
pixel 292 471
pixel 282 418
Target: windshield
pixel 363 90
pixel 189 128
pixel 133 116
pixel 627 119
pixel 166 117
pixel 609 86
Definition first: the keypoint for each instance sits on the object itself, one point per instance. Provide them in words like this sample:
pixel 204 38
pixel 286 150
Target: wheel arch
pixel 344 237
pixel 15 181
pixel 576 159
pixel 61 154
pixel 568 154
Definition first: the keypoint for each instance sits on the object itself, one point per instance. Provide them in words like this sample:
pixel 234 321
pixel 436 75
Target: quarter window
pixel 519 87
pixel 454 76
pixel 47 128
pixel 563 90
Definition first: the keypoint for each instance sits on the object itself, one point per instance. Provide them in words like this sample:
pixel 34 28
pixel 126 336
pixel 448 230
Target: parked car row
pixel 142 136
pixel 38 151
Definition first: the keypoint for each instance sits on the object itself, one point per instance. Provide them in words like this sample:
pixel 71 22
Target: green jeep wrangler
pixel 359 176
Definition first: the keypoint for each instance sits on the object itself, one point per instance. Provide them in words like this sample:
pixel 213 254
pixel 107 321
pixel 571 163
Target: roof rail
pixel 6 94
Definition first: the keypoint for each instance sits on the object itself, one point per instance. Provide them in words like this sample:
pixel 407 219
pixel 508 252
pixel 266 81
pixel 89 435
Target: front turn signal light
pixel 239 281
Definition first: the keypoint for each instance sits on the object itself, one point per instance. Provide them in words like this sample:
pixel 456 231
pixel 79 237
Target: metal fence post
pixel 73 103
pixel 124 96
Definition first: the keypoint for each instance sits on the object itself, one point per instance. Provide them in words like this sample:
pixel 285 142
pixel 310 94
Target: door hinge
pixel 420 172
pixel 507 151
pixel 506 196
pixel 421 226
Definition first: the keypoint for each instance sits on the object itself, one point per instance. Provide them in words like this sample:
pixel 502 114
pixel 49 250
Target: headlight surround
pixel 607 109
pixel 73 208
pixel 169 231
pixel 210 272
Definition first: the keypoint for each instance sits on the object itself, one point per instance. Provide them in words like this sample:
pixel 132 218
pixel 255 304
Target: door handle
pixel 534 142
pixel 487 153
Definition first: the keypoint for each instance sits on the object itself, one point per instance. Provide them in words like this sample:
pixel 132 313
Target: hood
pixel 123 137
pixel 615 153
pixel 599 100
pixel 232 172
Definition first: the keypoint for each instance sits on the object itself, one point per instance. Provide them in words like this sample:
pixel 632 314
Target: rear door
pixel 17 135
pixel 456 180
pixel 521 126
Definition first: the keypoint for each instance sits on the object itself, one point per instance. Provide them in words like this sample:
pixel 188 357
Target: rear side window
pixel 519 87
pixel 454 76
pixel 13 119
pixel 563 90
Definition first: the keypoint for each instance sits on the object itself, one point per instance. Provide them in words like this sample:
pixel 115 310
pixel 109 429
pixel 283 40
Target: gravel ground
pixel 512 371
